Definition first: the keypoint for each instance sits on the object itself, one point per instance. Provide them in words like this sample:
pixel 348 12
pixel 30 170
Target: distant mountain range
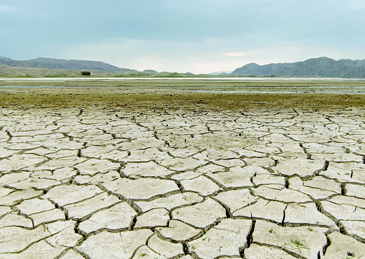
pixel 315 67
pixel 52 63
pixel 219 73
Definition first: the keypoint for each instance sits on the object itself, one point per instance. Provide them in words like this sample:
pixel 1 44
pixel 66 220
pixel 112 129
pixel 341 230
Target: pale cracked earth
pixel 112 184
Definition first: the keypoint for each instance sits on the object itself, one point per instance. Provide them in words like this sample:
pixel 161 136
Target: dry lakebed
pixel 99 168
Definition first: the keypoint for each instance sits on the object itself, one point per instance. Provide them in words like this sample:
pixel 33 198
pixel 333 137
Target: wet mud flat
pixel 141 173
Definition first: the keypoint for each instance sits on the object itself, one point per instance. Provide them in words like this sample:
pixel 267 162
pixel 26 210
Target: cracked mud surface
pixel 174 184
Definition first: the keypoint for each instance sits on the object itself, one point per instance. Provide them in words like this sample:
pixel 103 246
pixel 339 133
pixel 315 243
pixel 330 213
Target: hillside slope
pixel 315 67
pixel 52 63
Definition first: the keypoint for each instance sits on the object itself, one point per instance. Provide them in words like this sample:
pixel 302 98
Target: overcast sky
pixel 198 36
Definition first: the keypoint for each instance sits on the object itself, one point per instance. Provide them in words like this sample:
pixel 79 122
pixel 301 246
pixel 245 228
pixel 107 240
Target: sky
pixel 198 36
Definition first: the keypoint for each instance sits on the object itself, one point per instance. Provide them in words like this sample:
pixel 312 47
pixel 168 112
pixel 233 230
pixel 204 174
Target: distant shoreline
pixel 180 78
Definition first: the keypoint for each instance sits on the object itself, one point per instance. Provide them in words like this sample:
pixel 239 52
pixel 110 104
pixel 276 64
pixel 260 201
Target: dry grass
pixel 141 99
pixel 162 94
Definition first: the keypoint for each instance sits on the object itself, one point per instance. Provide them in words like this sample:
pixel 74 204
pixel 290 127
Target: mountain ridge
pixel 53 63
pixel 315 67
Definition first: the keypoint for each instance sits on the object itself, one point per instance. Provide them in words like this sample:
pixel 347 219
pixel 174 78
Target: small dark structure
pixel 85 73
